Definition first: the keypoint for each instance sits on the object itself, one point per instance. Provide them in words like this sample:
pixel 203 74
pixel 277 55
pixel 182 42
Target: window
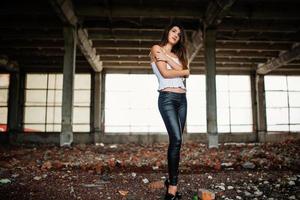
pixel 4 84
pixel 196 99
pixel 282 103
pixel 43 102
pixel 131 104
pixel 82 103
pixel 234 110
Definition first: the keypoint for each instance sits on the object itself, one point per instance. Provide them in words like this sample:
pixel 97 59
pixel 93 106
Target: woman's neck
pixel 168 48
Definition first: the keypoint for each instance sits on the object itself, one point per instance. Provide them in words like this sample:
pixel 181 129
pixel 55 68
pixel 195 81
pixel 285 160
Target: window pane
pixel 81 115
pixel 195 83
pixel 117 117
pixel 35 97
pixel 239 83
pixel 34 127
pixel 278 103
pixel 275 83
pixel 222 83
pixel 276 99
pixel 117 82
pixel 278 128
pixel 54 115
pixel 3 115
pixel 35 114
pixel 294 99
pixel 4 83
pixel 82 97
pixel 277 116
pixel 132 105
pixel 114 99
pixel 138 100
pixel 137 117
pixel 155 117
pixel 82 81
pixel 53 127
pixel 157 129
pixel 240 99
pixel 197 116
pixel 241 128
pixel 54 98
pixel 44 93
pixel 241 116
pixel 117 129
pixel 3 97
pixel 223 128
pixel 295 116
pixel 196 100
pixel 234 106
pixel 294 83
pixel 294 127
pixel 81 128
pixel 55 81
pixel 223 116
pixel 222 99
pixel 36 81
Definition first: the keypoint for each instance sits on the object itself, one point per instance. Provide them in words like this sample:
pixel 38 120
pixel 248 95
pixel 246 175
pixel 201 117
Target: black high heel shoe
pixel 169 196
pixel 178 195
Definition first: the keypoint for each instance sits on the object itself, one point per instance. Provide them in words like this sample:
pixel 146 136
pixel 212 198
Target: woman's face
pixel 174 35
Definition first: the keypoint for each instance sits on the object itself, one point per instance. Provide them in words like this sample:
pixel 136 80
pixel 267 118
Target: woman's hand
pixel 161 56
pixel 188 73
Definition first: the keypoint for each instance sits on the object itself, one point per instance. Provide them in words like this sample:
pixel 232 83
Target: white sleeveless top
pixel 167 82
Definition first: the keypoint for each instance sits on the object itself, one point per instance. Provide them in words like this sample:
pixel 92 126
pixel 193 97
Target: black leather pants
pixel 173 109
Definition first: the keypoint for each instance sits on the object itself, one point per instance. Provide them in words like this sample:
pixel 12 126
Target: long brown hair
pixel 179 48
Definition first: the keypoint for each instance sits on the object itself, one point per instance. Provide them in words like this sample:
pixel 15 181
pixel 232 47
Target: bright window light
pixel 4 85
pixel 282 103
pixel 43 103
pixel 234 108
pixel 196 99
pixel 131 104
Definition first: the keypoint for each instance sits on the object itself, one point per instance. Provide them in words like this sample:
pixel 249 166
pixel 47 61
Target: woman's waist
pixel 177 90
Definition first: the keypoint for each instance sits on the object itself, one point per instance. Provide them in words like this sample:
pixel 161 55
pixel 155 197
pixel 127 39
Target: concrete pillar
pixel 66 136
pixel 261 108
pixel 16 98
pixel 97 106
pixel 211 101
pixel 254 104
pixel 14 107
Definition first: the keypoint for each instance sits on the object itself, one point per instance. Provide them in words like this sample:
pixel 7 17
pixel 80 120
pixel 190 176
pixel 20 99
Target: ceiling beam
pixel 153 11
pixel 65 10
pixel 216 11
pixel 118 45
pixel 132 53
pixel 194 45
pixel 281 60
pixel 266 10
pixel 8 65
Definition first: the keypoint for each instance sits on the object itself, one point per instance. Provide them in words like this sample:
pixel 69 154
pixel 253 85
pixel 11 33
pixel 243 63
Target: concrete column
pixel 211 101
pixel 66 136
pixel 13 119
pixel 254 104
pixel 96 111
pixel 103 77
pixel 261 108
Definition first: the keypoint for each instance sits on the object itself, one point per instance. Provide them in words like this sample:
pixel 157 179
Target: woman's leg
pixel 169 111
pixel 182 112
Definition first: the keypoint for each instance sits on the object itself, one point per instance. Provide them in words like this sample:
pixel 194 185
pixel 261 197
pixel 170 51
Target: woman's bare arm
pixel 162 65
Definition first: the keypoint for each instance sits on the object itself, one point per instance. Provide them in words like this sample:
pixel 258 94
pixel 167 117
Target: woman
pixel 169 63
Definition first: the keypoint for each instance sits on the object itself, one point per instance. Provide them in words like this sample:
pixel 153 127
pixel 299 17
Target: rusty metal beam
pixel 281 60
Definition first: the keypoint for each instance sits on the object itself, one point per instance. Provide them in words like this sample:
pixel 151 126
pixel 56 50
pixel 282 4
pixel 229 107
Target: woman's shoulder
pixel 156 47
